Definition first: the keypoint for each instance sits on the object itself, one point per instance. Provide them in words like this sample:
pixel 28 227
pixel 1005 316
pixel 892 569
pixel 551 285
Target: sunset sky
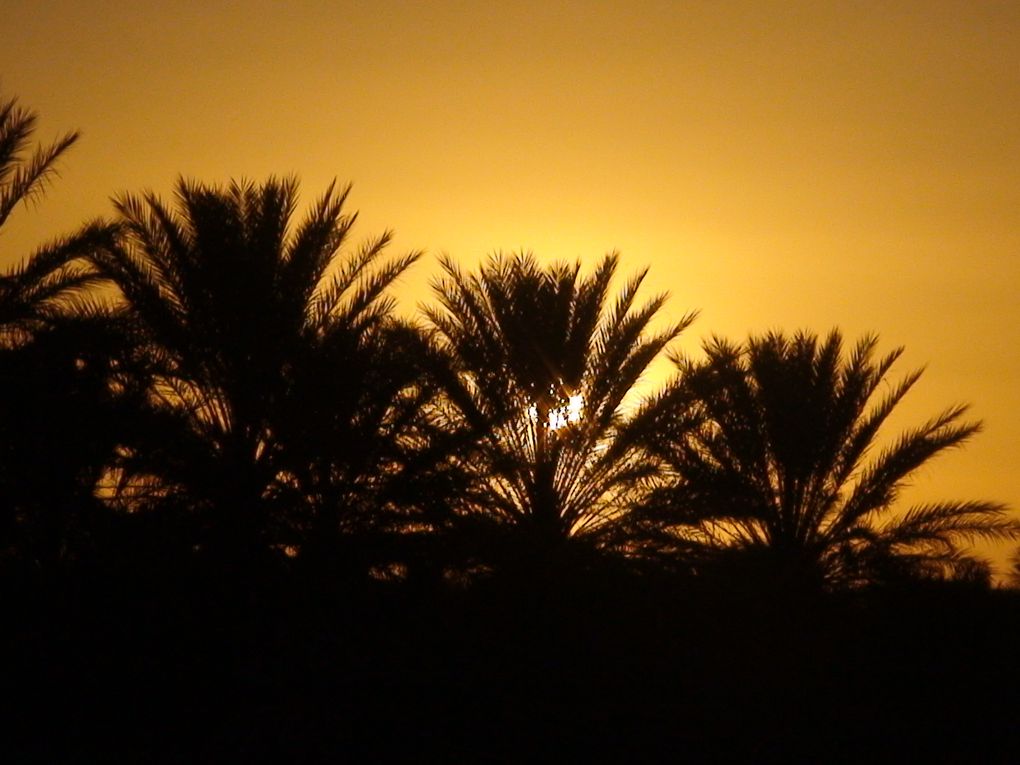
pixel 777 165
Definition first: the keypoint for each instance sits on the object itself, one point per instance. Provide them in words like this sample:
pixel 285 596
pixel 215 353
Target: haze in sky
pixel 777 165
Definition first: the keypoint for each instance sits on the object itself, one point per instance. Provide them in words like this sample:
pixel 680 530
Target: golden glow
pixel 777 164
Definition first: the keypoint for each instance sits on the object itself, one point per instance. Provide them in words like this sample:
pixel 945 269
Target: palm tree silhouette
pixel 768 446
pixel 540 367
pixel 261 339
pixel 57 353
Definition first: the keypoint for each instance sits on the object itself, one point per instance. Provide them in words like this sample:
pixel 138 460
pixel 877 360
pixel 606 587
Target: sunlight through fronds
pixel 543 363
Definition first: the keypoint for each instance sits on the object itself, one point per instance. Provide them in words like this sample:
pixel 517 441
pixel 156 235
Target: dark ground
pixel 99 666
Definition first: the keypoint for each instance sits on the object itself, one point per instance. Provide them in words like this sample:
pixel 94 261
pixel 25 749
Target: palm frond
pixel 880 483
pixel 951 522
pixel 24 179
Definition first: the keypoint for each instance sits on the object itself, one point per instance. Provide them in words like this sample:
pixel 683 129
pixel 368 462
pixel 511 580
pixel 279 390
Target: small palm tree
pixel 540 367
pixel 768 447
pixel 261 337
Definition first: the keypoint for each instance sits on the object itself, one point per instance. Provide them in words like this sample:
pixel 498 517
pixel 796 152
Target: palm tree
pixel 540 366
pixel 262 339
pixel 57 353
pixel 768 446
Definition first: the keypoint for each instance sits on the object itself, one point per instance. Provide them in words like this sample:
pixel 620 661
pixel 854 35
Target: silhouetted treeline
pixel 243 497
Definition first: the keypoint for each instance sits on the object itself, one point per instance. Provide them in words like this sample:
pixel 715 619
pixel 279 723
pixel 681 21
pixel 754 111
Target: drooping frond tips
pixel 950 522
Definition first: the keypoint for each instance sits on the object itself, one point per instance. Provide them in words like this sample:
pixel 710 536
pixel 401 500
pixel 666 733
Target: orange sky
pixel 778 165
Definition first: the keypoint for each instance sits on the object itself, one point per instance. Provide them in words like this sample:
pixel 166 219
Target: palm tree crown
pixel 248 321
pixel 768 444
pixel 542 365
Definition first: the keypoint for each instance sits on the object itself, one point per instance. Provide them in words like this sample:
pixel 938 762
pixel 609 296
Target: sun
pixel 570 412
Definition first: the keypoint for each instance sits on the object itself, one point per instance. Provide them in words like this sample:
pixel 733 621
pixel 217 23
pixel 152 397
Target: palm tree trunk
pixel 545 504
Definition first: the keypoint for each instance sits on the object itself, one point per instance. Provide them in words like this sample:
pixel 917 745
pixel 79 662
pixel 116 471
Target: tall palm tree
pixel 261 337
pixel 541 364
pixel 768 444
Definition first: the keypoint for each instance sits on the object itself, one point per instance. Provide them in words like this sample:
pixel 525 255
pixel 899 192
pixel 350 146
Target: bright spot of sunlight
pixel 559 417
